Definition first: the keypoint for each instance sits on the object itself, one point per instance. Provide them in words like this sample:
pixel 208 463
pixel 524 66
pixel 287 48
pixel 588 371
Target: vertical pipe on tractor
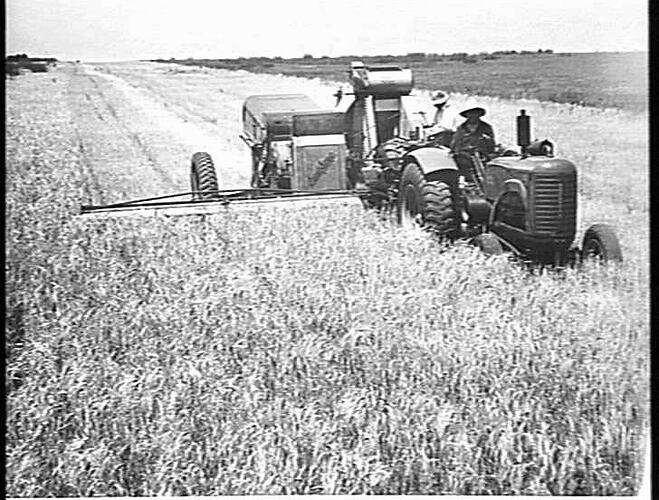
pixel 523 130
pixel 370 131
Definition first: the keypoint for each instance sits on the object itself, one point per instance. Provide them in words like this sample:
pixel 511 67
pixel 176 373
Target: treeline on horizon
pixel 411 57
pixel 16 63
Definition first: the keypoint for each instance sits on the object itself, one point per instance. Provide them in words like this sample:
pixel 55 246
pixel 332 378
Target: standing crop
pixel 278 352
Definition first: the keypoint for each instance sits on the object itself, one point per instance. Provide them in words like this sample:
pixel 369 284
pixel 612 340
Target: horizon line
pixel 501 52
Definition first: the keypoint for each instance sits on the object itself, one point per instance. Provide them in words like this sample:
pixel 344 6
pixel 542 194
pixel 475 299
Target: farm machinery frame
pixel 376 152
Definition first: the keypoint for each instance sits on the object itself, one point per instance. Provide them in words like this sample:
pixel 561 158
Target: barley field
pixel 300 352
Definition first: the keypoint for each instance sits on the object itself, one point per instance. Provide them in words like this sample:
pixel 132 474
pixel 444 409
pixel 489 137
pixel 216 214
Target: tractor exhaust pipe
pixel 523 130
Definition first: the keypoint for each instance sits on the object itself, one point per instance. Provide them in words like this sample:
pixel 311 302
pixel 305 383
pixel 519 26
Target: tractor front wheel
pixel 600 243
pixel 203 179
pixel 426 203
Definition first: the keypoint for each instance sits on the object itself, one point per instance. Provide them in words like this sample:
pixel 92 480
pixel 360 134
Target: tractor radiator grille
pixel 556 205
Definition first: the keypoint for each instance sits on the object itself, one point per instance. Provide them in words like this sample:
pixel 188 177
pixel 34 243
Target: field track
pixel 286 352
pixel 157 118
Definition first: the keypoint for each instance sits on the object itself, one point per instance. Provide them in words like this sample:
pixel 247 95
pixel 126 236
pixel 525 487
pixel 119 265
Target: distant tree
pixel 12 69
pixel 307 56
pixel 415 56
pixel 458 56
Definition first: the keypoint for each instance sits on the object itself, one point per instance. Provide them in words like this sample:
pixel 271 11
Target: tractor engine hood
pixel 546 192
pixel 534 164
pixel 523 173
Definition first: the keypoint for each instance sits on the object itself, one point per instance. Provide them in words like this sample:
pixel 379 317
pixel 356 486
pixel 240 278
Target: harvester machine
pixel 298 154
pixel 373 150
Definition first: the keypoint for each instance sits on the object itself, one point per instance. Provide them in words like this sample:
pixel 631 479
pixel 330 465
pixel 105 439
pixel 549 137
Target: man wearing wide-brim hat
pixel 445 120
pixel 474 133
pixel 445 117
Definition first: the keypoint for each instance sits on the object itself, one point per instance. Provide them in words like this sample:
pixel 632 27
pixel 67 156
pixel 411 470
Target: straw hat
pixel 439 98
pixel 472 106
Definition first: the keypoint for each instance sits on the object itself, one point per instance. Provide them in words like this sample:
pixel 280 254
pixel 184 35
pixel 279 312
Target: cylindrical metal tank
pixel 381 81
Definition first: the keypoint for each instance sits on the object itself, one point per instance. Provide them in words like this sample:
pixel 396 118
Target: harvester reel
pixel 426 203
pixel 203 179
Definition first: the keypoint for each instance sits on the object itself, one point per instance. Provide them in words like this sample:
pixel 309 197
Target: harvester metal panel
pixel 276 103
pixel 272 113
pixel 318 123
pixel 319 163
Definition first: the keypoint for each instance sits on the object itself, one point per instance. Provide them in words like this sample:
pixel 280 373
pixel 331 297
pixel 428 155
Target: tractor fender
pixel 516 186
pixel 432 159
pixel 511 186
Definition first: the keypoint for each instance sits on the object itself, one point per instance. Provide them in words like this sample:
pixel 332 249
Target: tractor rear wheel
pixel 488 244
pixel 203 179
pixel 601 243
pixel 392 151
pixel 426 203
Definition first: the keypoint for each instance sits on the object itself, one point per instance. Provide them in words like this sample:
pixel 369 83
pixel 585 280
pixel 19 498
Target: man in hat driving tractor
pixel 473 137
pixel 473 134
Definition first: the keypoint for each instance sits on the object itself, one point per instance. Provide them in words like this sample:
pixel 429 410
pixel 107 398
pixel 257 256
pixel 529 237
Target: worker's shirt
pixel 482 138
pixel 445 119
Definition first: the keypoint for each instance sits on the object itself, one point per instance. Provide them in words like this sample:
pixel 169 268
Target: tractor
pixel 524 202
pixel 375 149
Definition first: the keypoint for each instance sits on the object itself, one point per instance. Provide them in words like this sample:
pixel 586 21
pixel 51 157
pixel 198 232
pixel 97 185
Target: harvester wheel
pixel 488 244
pixel 601 243
pixel 203 179
pixel 426 203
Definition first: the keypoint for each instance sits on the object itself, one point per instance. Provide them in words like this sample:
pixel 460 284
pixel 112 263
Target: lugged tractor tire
pixel 427 203
pixel 488 244
pixel 390 152
pixel 203 179
pixel 600 243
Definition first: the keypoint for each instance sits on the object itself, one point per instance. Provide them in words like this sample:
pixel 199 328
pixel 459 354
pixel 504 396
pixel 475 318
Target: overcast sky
pixel 101 30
